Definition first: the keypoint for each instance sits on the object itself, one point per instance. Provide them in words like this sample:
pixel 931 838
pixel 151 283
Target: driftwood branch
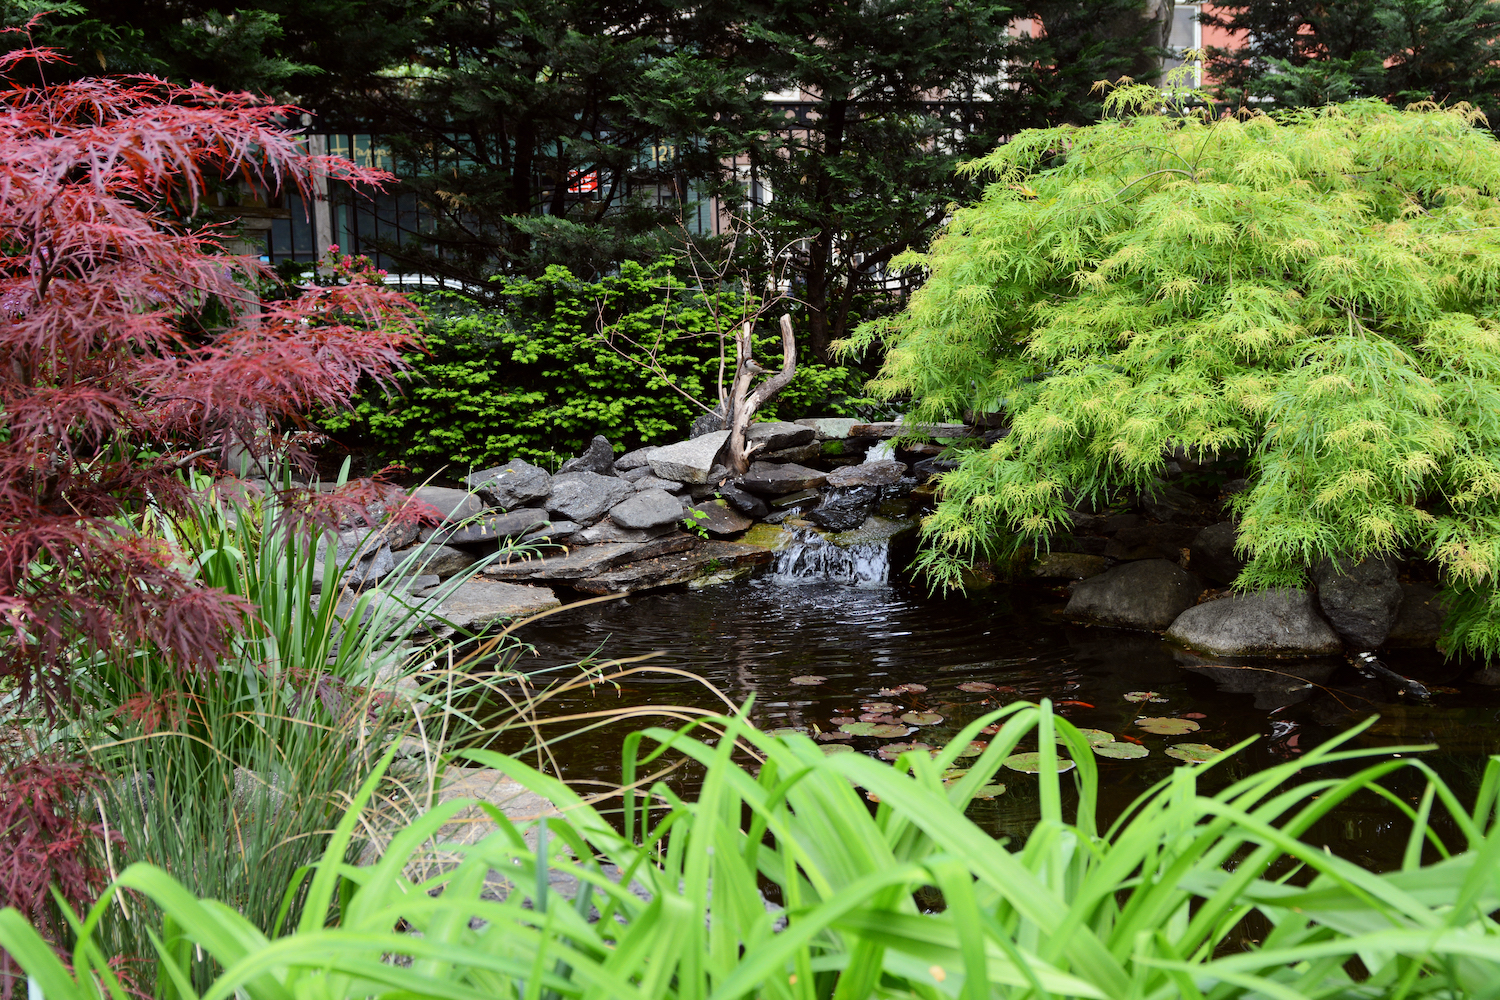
pixel 743 401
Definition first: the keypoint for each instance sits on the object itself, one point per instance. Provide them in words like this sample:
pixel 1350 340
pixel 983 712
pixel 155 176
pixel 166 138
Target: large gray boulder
pixel 478 603
pixel 775 435
pixel 1270 623
pixel 453 505
pixel 598 458
pixel 1147 594
pixel 514 484
pixel 487 528
pixel 362 552
pixel 884 473
pixel 647 509
pixel 584 497
pixel 1212 553
pixel 638 459
pixel 688 461
pixel 440 560
pixel 775 480
pixel 1359 599
pixel 1419 623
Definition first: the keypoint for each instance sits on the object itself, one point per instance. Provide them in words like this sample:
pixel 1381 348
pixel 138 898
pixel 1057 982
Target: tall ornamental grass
pixel 780 881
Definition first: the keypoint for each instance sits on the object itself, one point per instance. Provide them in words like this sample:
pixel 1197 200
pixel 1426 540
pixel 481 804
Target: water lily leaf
pixel 954 773
pixel 974 687
pixel 833 748
pixel 893 750
pixel 878 706
pixel 989 791
pixel 1120 751
pixel 839 720
pixel 825 737
pixel 1094 736
pixel 880 730
pixel 1193 753
pixel 785 731
pixel 878 717
pixel 921 718
pixel 1140 696
pixel 1167 727
pixel 974 749
pixel 913 688
pixel 1031 763
pixel 809 679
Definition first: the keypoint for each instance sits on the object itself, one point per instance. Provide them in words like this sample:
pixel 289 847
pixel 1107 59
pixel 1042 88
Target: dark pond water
pixel 837 613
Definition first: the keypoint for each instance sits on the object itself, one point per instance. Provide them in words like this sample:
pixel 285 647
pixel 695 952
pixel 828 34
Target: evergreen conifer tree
pixel 1319 290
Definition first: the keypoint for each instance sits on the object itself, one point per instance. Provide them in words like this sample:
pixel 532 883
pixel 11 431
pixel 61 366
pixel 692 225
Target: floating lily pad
pixel 921 718
pixel 1093 736
pixel 1140 696
pixel 835 748
pixel 893 750
pixel 1031 763
pixel 989 791
pixel 878 706
pixel 913 688
pixel 809 679
pixel 880 730
pixel 889 720
pixel 1167 726
pixel 1120 751
pixel 785 731
pixel 974 749
pixel 825 737
pixel 1193 753
pixel 839 720
pixel 975 687
pixel 954 773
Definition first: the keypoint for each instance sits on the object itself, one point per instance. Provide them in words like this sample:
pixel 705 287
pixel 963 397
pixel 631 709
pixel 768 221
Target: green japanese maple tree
pixel 1319 290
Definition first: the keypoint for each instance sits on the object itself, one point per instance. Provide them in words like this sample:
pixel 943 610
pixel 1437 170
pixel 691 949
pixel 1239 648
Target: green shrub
pixel 1318 290
pixel 912 899
pixel 537 380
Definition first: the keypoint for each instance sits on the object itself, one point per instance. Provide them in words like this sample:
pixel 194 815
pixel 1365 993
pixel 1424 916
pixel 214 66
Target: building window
pixel 1186 33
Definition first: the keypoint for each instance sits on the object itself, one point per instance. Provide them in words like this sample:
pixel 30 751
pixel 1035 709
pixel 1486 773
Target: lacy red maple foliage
pixel 129 340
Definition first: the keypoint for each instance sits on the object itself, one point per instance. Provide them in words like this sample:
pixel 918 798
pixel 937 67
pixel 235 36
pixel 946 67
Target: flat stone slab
pixel 638 459
pixel 774 435
pixel 442 560
pixel 665 571
pixel 454 505
pixel 649 508
pixel 884 473
pixel 799 454
pixel 479 603
pixel 775 480
pixel 718 518
pixel 590 560
pixel 489 528
pixel 891 429
pixel 830 428
pixel 688 461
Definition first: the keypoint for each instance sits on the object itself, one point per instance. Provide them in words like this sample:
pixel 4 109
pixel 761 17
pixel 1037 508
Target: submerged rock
pixel 1359 599
pixel 1270 623
pixel 1147 594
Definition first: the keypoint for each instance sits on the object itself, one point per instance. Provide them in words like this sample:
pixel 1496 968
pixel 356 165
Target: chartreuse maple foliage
pixel 130 341
pixel 1318 291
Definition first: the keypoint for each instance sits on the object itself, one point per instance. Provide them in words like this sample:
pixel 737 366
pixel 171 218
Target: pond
pixel 841 614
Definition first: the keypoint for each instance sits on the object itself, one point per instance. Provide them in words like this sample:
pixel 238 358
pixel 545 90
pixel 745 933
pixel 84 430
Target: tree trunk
pixel 743 402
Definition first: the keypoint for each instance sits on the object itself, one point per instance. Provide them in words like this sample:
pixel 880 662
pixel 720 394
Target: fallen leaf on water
pixel 1167 726
pixel 1194 715
pixel 974 687
pixel 809 679
pixel 1121 751
pixel 1031 763
pixel 893 750
pixel 1193 753
pixel 921 718
pixel 990 730
pixel 877 717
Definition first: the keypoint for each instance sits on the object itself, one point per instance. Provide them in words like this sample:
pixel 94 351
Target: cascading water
pixel 811 558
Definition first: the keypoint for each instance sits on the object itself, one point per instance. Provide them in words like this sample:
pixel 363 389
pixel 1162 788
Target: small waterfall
pixel 811 558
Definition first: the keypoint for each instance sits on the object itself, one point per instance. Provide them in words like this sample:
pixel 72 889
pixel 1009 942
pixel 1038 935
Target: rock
pixel 440 560
pixel 717 477
pixel 1151 541
pixel 688 461
pixel 801 453
pixel 776 435
pixel 418 584
pixel 799 499
pixel 829 428
pixel 514 484
pixel 931 468
pixel 608 531
pixel 1270 623
pixel 478 603
pixel 884 473
pixel 746 503
pixel 649 482
pixel 453 505
pixel 1147 594
pixel 1069 566
pixel 366 556
pixel 848 448
pixel 1420 621
pixel 585 496
pixel 1176 505
pixel 1360 600
pixel 771 537
pixel 1212 553
pixel 709 423
pixel 640 472
pixel 599 459
pixel 845 509
pixel 397 528
pixel 632 460
pixel 490 528
pixel 554 532
pixel 717 518
pixel 894 429
pixel 776 480
pixel 588 560
pixel 665 571
pixel 647 509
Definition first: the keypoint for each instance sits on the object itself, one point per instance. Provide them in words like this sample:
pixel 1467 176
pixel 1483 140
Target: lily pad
pixel 974 749
pixel 1031 763
pixel 1094 736
pixel 893 750
pixel 975 687
pixel 921 718
pixel 913 688
pixel 1120 751
pixel 808 679
pixel 879 730
pixel 835 748
pixel 889 720
pixel 1167 726
pixel 839 720
pixel 989 791
pixel 878 706
pixel 785 731
pixel 1193 753
pixel 954 773
pixel 1140 696
pixel 825 737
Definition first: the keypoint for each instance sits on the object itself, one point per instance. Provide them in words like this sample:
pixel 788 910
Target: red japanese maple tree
pixel 130 344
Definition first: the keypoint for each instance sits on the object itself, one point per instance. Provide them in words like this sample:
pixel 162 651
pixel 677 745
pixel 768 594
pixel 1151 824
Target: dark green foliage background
pixel 535 379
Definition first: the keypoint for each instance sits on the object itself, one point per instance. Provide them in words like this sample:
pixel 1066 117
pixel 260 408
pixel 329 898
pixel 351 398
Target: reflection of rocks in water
pixel 1134 660
pixel 1286 683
